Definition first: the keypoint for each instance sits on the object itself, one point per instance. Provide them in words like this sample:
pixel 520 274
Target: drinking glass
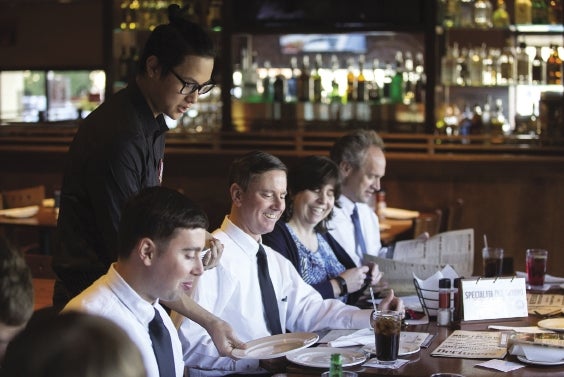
pixel 493 261
pixel 535 264
pixel 387 326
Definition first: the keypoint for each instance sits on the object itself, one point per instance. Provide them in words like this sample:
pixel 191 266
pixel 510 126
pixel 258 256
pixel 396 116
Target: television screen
pixel 320 43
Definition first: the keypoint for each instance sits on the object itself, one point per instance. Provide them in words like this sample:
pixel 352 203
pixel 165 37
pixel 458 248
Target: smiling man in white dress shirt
pixel 257 185
pixel 361 160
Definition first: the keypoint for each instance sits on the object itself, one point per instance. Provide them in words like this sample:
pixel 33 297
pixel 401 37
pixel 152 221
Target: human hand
pixel 355 277
pixel 375 274
pixel 390 302
pixel 224 337
pixel 214 251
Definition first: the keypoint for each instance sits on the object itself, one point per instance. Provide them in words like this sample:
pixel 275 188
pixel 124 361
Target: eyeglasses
pixel 192 87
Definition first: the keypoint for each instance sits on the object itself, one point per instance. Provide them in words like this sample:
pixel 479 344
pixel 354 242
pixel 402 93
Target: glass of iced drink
pixel 535 265
pixel 387 326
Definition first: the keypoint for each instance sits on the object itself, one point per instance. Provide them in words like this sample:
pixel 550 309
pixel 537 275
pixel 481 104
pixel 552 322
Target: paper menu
pixel 472 345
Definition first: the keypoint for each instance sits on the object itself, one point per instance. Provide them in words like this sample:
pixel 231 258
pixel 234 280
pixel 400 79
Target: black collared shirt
pixel 117 151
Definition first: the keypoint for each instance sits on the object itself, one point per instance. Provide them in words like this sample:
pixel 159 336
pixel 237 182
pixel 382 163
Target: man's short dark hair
pixel 254 163
pixel 156 212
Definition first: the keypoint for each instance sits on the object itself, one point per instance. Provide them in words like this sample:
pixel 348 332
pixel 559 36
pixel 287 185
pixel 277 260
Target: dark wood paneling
pixel 516 203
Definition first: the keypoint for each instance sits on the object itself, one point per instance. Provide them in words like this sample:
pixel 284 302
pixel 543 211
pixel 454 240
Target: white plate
pixel 274 346
pixel 554 324
pixel 403 350
pixel 21 212
pixel 320 357
pixel 400 214
pixel 533 362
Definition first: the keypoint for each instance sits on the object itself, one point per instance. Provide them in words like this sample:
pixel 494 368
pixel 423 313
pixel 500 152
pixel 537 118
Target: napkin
pixel 538 353
pixel 361 337
pixel 502 365
pixel 430 287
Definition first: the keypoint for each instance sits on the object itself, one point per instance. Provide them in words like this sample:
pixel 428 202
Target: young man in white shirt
pixel 361 161
pixel 162 234
pixel 232 291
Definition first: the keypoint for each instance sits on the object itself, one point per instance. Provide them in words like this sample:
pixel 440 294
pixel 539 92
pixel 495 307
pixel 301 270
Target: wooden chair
pixel 453 216
pixel 23 197
pixel 427 222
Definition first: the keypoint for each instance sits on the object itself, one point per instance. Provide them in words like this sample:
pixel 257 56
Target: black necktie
pixel 162 346
pixel 267 292
pixel 358 237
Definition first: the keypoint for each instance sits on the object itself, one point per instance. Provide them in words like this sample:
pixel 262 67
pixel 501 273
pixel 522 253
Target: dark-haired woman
pixel 302 236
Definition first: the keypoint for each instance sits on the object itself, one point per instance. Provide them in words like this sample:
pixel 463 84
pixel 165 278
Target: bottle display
pixel 500 17
pixel 554 68
pixel 523 12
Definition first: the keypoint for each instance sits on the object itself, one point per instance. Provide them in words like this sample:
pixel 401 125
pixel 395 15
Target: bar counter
pixel 512 188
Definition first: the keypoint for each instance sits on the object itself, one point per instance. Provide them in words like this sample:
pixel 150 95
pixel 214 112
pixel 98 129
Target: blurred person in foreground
pixel 16 294
pixel 257 187
pixel 161 236
pixel 119 149
pixel 302 235
pixel 361 161
pixel 73 345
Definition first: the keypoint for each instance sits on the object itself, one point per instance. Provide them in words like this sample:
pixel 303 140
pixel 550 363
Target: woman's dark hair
pixel 172 42
pixel 312 173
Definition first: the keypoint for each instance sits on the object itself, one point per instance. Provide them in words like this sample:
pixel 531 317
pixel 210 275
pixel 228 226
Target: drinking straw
pixel 485 241
pixel 372 296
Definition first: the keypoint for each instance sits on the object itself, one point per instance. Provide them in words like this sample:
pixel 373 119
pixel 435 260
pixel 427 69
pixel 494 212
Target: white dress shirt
pixel 231 291
pixel 342 229
pixel 111 297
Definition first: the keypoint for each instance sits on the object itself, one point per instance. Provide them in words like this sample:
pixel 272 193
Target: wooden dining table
pixel 422 364
pixel 44 221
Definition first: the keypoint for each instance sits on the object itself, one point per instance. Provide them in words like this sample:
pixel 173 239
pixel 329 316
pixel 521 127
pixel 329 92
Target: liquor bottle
pixel 554 67
pixel 483 14
pixel 421 78
pixel 555 12
pixel 498 121
pixel 466 13
pixel 374 89
pixel 335 96
pixel 487 116
pixel 500 17
pixel 292 83
pixel 397 84
pixel 538 69
pixel 477 125
pixel 361 81
pixel 449 65
pixel 408 78
pixel 475 68
pixel 388 74
pixel 303 81
pixel 267 92
pixel 506 67
pixel 279 88
pixel 523 65
pixel 539 12
pixel 451 13
pixel 316 79
pixel 523 12
pixel 488 68
pixel 350 81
